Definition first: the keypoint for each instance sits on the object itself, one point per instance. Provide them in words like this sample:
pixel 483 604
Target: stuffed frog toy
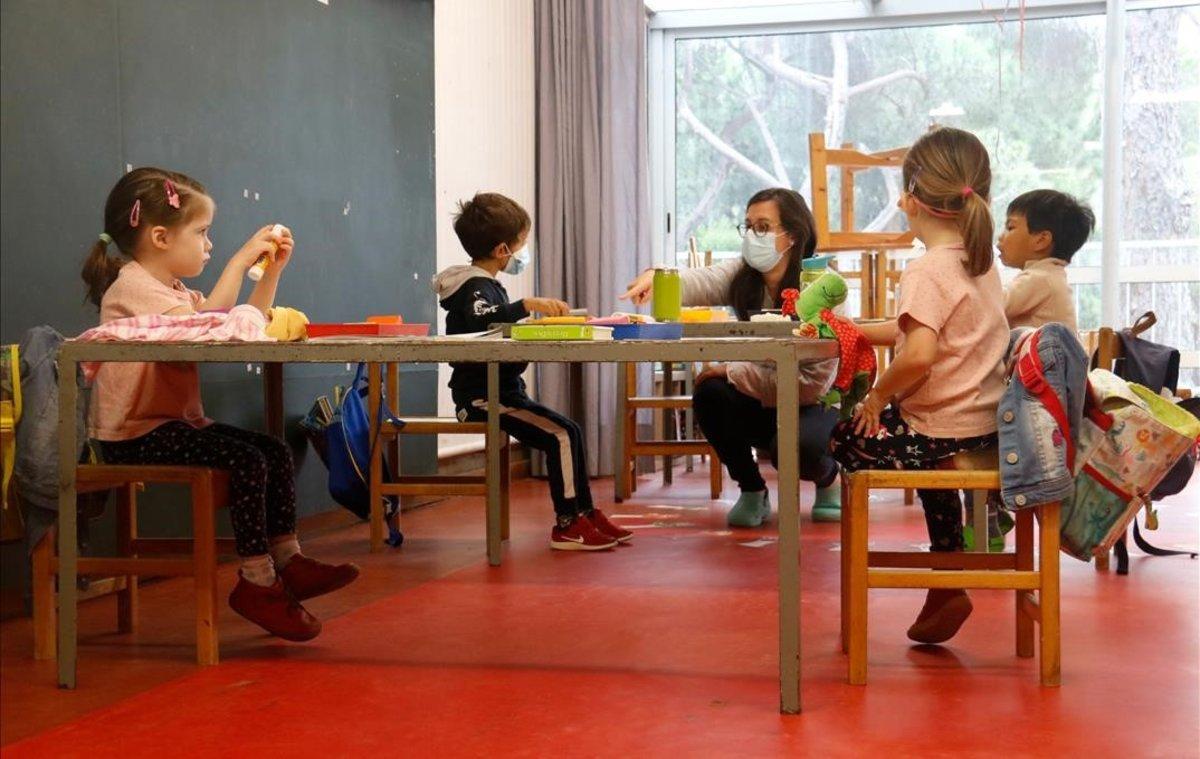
pixel 813 306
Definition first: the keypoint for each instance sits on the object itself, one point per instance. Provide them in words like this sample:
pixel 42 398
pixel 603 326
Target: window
pixel 744 104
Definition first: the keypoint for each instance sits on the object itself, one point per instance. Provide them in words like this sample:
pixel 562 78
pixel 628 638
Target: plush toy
pixel 287 324
pixel 856 358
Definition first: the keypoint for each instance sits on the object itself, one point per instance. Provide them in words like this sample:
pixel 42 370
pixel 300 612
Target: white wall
pixel 484 123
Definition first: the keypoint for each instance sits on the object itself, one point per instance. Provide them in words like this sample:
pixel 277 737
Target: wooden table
pixel 786 354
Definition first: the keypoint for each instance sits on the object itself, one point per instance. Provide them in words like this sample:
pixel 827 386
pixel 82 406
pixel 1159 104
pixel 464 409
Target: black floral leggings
pixel 896 446
pixel 262 483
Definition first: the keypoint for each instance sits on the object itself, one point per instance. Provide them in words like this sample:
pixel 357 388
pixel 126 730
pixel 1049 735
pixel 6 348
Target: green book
pixel 560 332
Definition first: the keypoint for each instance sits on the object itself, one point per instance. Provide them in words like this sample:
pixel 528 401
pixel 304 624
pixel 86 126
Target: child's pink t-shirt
pixel 130 400
pixel 959 397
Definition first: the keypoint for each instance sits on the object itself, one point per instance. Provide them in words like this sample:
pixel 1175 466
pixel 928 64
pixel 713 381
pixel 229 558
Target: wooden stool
pixel 863 569
pixel 632 447
pixel 423 484
pixel 210 491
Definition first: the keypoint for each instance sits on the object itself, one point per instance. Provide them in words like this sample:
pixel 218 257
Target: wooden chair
pixel 875 272
pixel 863 569
pixel 424 484
pixel 632 447
pixel 850 161
pixel 196 557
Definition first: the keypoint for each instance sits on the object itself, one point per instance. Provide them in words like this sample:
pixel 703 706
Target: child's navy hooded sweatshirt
pixel 473 301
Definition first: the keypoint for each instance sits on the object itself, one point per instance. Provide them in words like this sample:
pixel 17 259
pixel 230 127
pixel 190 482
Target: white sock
pixel 259 570
pixel 283 548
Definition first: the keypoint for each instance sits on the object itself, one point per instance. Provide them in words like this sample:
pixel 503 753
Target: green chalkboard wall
pixel 319 116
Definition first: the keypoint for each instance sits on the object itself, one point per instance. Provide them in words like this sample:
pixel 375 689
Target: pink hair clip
pixel 135 213
pixel 172 194
pixel 967 191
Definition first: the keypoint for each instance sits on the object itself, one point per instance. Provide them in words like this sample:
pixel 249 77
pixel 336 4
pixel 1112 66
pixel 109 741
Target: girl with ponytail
pixel 156 225
pixel 939 396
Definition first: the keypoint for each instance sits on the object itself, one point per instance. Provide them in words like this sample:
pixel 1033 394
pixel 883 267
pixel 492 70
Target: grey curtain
pixel 593 225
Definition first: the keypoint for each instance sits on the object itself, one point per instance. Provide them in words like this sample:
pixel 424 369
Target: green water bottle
pixel 812 268
pixel 668 295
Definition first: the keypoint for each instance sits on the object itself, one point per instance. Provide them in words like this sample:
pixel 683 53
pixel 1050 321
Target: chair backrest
pixel 1108 348
pixel 849 161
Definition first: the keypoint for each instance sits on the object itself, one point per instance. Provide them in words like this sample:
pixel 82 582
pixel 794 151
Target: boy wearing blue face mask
pixel 494 231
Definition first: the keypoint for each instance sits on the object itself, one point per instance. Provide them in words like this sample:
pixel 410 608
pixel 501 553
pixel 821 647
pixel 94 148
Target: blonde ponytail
pixel 975 223
pixel 949 173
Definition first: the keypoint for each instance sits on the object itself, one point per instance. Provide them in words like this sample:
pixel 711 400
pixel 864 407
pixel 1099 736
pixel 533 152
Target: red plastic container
pixel 367 329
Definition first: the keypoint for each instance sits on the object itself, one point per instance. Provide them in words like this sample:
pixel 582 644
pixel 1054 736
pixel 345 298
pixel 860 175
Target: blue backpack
pixel 348 450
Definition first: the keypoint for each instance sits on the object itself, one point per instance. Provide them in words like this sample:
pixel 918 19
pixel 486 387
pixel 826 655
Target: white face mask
pixel 517 261
pixel 759 251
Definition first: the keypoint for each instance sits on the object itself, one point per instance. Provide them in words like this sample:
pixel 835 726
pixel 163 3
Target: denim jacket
pixel 1033 452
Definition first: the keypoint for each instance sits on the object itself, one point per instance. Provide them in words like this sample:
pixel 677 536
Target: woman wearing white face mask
pixel 735 403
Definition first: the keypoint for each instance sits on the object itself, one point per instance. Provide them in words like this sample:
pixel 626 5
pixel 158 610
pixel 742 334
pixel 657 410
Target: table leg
pixel 620 470
pixel 668 417
pixel 789 536
pixel 273 398
pixel 689 423
pixel 375 471
pixel 68 546
pixel 492 446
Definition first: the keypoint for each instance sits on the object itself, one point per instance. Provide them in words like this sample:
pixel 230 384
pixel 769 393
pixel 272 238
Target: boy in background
pixel 1042 233
pixel 494 231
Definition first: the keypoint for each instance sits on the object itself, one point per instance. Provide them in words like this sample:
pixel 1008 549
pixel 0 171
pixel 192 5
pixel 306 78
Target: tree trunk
pixel 1158 202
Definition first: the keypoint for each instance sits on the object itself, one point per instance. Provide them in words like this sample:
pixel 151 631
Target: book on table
pixel 560 332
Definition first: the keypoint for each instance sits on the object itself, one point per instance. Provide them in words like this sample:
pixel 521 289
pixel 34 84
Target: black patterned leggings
pixel 262 482
pixel 896 446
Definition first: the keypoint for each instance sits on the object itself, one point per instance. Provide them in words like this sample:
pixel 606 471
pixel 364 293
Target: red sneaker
pixel 273 609
pixel 580 535
pixel 605 527
pixel 307 578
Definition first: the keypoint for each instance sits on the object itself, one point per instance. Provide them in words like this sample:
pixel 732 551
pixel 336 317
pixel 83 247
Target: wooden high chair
pixel 876 276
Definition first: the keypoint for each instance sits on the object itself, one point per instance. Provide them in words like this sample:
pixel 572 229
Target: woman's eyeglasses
pixel 759 228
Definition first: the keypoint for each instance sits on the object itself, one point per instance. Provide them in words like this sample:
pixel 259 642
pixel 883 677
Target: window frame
pixel 666 28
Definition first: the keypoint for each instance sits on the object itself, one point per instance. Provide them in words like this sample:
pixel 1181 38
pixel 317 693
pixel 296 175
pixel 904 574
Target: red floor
pixel 664 647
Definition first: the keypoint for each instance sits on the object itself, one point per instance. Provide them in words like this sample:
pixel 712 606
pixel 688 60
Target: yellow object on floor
pixel 287 324
pixel 10 413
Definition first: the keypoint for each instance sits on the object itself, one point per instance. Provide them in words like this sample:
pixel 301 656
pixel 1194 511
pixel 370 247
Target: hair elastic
pixel 967 190
pixel 135 213
pixel 106 239
pixel 941 213
pixel 172 193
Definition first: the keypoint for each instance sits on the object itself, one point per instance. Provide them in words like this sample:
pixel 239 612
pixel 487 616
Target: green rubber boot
pixel 751 509
pixel 828 505
pixel 1000 523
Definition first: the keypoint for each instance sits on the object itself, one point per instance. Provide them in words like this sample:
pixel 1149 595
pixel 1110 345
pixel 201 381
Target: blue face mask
pixel 516 261
pixel 759 251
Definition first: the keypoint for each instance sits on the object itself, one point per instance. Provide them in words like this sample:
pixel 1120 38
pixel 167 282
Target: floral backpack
pixel 1130 439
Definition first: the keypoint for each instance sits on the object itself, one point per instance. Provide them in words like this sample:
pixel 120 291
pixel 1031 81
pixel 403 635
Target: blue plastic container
pixel 659 331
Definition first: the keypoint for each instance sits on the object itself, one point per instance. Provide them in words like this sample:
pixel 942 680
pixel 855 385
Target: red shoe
pixel 307 578
pixel 273 609
pixel 605 527
pixel 580 535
